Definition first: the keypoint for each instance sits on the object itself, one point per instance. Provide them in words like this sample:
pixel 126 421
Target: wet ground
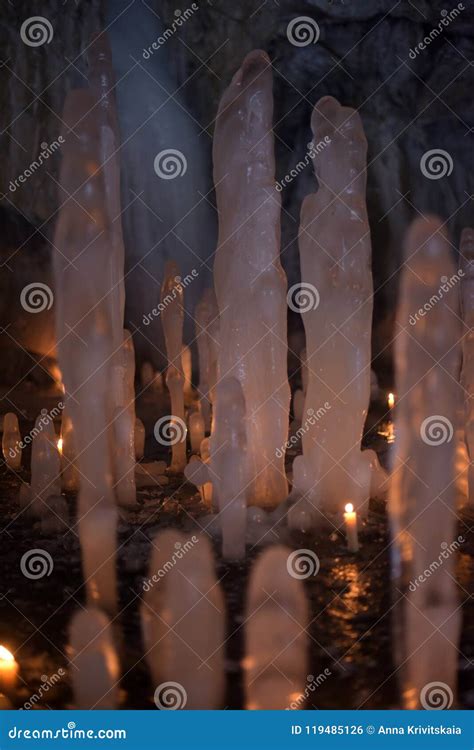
pixel 350 599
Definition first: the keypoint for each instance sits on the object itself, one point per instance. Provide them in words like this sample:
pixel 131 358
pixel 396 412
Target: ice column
pixel 276 640
pixel 422 492
pixel 183 620
pixel 98 535
pixel 172 320
pixel 335 300
pixel 124 424
pixel 45 463
pixel 467 375
pixel 207 321
pixel 83 311
pixel 102 83
pixel 229 466
pixel 249 280
pixel 95 668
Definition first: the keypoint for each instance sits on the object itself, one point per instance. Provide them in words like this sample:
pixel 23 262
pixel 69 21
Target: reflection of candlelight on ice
pixel 350 520
pixel 388 432
pixel 391 400
pixel 8 670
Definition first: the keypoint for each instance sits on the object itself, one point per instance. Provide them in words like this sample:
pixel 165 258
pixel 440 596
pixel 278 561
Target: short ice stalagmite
pixel 183 621
pixel 276 658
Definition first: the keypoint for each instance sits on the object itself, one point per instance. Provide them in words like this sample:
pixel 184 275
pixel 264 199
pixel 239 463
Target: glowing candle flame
pixel 349 508
pixel 391 400
pixel 6 655
pixel 60 445
pixel 8 671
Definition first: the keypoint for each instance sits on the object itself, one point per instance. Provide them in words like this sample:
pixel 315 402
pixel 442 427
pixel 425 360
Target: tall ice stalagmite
pixel 336 305
pixel 172 318
pixel 249 281
pixel 467 377
pixel 81 260
pixel 422 492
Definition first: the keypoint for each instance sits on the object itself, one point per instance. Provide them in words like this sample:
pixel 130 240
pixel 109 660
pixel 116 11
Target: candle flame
pixel 349 508
pixel 60 445
pixel 391 400
pixel 5 654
